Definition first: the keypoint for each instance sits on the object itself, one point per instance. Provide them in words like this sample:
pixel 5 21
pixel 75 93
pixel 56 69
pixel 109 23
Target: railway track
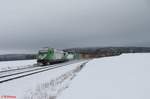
pixel 16 69
pixel 7 74
pixel 22 70
pixel 11 75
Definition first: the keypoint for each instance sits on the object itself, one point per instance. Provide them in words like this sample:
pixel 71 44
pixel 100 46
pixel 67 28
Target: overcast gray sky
pixel 74 23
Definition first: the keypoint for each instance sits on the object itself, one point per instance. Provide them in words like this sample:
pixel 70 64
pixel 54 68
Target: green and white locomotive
pixel 50 56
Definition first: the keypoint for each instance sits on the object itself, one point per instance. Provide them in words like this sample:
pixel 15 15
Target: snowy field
pixel 7 65
pixel 120 77
pixel 45 85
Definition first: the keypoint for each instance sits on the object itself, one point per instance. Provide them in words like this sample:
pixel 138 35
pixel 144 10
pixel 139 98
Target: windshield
pixel 43 51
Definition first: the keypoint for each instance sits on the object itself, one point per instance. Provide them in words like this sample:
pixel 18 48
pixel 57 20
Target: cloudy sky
pixel 31 24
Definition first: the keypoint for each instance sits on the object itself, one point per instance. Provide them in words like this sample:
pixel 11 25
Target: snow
pixel 119 77
pixel 45 85
pixel 7 65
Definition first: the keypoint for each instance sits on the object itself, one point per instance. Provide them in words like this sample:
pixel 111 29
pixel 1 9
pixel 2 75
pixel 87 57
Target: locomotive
pixel 48 56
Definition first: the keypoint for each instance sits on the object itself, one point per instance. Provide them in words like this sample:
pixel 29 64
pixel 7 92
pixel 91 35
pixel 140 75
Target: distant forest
pixel 12 57
pixel 90 52
pixel 93 52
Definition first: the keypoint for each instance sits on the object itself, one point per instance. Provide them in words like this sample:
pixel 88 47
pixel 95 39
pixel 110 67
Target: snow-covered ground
pixel 7 65
pixel 121 77
pixel 45 85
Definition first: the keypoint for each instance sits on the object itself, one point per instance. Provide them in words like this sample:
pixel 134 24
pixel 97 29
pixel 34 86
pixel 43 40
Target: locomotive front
pixel 44 56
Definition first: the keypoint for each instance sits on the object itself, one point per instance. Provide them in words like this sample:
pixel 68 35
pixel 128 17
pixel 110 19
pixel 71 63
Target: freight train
pixel 48 56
